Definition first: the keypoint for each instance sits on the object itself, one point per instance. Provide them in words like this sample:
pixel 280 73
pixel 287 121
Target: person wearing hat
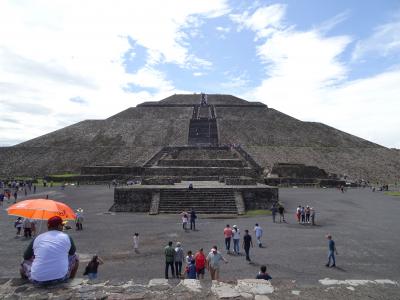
pixel 213 260
pixel 50 258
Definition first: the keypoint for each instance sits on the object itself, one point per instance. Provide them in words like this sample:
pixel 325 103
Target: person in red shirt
pixel 200 262
pixel 228 236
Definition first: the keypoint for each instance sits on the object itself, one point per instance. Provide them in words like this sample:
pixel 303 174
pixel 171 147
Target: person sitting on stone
pixel 50 258
pixel 263 274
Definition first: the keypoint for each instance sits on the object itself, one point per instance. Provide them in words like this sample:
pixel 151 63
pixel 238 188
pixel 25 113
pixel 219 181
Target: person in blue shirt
pixel 332 251
pixel 191 270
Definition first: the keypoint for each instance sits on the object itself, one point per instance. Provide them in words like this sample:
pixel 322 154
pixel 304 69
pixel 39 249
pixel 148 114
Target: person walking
pixel 331 251
pixel 214 259
pixel 169 252
pixel 258 231
pixel 228 236
pixel 92 267
pixel 247 242
pixel 193 218
pixel 236 240
pixel 200 263
pixel 179 258
pixel 274 211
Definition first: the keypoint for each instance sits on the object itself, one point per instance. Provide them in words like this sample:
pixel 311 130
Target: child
pixel 92 266
pixel 136 242
pixel 185 220
pixel 189 257
pixel 191 270
pixel 263 274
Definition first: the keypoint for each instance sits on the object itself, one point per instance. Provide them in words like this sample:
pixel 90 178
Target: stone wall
pixel 240 181
pixel 101 170
pixel 260 199
pixel 125 200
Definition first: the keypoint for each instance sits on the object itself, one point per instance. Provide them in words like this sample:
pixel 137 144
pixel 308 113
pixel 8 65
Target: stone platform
pixel 207 197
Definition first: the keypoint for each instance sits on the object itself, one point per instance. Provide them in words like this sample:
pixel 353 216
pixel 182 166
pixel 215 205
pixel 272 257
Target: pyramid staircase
pixel 203 201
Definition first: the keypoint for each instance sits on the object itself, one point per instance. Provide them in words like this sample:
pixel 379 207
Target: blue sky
pixel 335 62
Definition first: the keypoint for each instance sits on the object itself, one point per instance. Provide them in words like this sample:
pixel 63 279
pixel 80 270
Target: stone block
pixel 254 286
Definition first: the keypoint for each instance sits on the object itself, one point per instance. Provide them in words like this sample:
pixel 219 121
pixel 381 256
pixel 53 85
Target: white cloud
pixel 384 41
pixel 264 21
pixel 52 52
pixel 334 21
pixel 305 78
pixel 223 29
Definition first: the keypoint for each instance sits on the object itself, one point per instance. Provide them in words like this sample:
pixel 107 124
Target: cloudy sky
pixel 331 61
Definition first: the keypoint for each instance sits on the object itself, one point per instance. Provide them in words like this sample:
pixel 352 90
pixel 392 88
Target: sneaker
pixel 333 266
pixel 327 265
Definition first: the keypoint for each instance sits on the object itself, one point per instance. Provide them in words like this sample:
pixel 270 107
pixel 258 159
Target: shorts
pixel 26 266
pixel 200 271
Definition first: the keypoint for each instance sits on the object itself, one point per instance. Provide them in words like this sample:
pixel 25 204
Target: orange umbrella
pixel 41 209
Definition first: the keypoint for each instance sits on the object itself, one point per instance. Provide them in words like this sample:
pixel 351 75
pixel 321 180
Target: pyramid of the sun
pixel 133 136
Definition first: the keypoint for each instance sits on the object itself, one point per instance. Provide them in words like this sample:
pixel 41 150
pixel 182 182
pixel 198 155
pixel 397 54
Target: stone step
pixel 229 163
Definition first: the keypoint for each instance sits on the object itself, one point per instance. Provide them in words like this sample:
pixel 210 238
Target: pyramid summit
pixel 134 136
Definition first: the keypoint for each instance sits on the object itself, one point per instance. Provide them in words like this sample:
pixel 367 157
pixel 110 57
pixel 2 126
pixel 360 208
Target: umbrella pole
pixel 41 222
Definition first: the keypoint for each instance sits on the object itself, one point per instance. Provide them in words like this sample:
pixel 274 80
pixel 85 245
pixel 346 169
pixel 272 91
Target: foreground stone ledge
pixel 159 288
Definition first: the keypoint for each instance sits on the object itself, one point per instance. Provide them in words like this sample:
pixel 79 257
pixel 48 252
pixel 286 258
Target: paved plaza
pixel 364 226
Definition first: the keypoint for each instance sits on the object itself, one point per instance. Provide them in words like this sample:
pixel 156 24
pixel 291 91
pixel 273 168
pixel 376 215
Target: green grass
pixel 66 175
pixel 257 212
pixel 392 193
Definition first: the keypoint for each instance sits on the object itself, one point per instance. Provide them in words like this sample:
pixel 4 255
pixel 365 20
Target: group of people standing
pixel 175 259
pixel 28 225
pixel 305 215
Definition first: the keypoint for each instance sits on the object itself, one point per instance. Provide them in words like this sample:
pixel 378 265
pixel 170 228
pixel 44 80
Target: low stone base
pixel 138 198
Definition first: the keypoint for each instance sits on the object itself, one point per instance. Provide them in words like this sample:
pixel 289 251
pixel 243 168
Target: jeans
pixel 307 218
pixel 167 264
pixel 178 268
pixel 236 245
pixel 247 250
pixel 228 243
pixel 92 276
pixel 273 217
pixel 331 255
pixel 192 224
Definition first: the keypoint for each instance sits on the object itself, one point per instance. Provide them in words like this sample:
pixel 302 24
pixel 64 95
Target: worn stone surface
pixel 193 289
pixel 224 290
pixel 254 286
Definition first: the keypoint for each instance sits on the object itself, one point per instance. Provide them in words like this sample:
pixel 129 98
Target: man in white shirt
pixel 258 231
pixel 50 258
